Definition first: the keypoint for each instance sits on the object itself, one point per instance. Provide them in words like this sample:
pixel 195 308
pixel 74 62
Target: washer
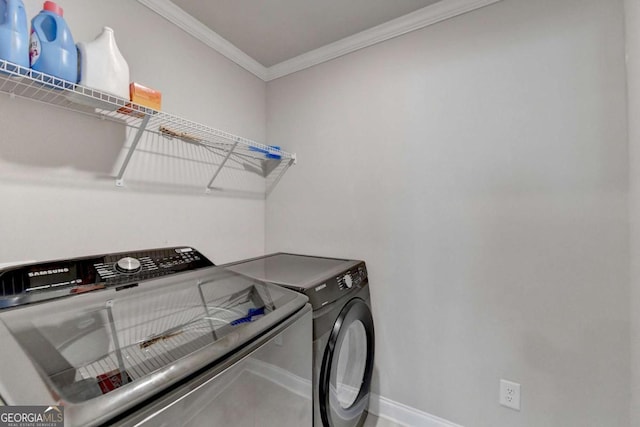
pixel 153 337
pixel 343 331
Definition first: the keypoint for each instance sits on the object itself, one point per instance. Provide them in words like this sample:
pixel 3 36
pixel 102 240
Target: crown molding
pixel 197 29
pixel 421 18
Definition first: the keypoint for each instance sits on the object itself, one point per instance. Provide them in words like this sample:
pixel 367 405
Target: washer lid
pixel 102 352
pixel 298 271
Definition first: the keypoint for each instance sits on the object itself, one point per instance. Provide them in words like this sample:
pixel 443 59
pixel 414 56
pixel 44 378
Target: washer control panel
pixel 52 279
pixel 120 268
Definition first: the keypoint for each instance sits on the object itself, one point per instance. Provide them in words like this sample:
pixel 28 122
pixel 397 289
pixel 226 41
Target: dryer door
pixel 347 366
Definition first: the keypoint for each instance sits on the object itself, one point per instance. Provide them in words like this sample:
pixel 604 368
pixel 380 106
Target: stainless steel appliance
pixel 343 332
pixel 158 337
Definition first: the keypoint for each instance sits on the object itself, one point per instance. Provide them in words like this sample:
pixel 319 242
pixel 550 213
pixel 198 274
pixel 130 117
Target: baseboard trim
pixel 405 415
pixel 378 405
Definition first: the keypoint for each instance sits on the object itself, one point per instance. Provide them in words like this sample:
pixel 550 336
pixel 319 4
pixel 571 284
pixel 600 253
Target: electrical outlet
pixel 510 394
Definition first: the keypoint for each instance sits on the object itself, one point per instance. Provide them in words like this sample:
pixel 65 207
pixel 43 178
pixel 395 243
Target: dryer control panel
pixel 52 279
pixel 335 287
pixel 350 278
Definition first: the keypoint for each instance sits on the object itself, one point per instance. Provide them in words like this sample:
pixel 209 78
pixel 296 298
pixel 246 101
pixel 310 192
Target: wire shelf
pixel 138 341
pixel 271 163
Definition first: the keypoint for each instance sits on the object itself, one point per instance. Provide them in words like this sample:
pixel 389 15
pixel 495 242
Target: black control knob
pixel 128 265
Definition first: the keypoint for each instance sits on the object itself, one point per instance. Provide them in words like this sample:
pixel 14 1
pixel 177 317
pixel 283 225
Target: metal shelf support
pixel 215 175
pixel 292 161
pixel 134 144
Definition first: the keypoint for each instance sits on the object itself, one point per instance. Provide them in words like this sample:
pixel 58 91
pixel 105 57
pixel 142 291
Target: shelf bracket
pixel 215 175
pixel 292 161
pixel 134 144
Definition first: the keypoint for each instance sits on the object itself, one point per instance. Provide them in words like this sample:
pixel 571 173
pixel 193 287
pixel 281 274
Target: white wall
pixel 57 200
pixel 632 14
pixel 480 167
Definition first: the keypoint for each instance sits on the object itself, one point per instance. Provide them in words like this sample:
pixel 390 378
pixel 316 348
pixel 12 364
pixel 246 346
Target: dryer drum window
pixel 348 373
pixel 347 366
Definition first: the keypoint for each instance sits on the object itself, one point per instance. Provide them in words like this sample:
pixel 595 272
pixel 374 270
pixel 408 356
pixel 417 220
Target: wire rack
pixel 269 162
pixel 150 337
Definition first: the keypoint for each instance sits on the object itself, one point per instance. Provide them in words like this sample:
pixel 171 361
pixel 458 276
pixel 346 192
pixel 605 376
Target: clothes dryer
pixel 343 331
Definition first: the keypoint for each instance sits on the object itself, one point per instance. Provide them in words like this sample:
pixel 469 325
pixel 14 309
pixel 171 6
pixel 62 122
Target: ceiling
pixel 273 31
pixel 274 38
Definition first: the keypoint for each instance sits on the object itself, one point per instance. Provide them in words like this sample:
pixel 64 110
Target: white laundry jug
pixel 102 66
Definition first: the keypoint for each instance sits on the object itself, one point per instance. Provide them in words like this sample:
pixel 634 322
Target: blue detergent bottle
pixel 14 33
pixel 51 48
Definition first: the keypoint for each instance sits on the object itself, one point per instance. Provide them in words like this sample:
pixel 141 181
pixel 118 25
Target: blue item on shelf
pixel 249 317
pixel 271 153
pixel 14 33
pixel 52 49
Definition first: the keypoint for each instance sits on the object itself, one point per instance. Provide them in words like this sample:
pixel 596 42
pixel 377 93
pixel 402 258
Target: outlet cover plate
pixel 510 394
